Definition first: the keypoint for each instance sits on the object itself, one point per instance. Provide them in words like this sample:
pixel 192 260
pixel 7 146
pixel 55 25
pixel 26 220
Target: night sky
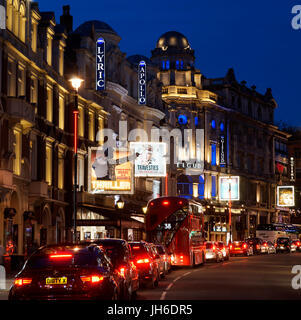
pixel 254 37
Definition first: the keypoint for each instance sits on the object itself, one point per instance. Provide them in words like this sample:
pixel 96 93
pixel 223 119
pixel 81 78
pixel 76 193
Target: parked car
pixel 67 272
pixel 159 259
pixel 224 249
pixel 240 247
pixel 119 252
pixel 271 248
pixel 297 243
pixel 283 244
pixel 213 252
pixel 147 266
pixel 256 244
pixel 165 256
pixel 293 246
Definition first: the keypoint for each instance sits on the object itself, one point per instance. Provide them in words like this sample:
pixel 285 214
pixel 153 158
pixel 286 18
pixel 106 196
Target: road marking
pixel 186 274
pixel 176 279
pixel 169 286
pixel 163 295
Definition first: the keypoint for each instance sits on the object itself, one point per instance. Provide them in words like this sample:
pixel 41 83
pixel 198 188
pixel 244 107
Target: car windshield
pixel 114 251
pixel 237 243
pixel 65 256
pixel 282 240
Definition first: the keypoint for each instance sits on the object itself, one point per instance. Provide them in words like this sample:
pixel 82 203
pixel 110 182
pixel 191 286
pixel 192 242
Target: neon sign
pixel 142 82
pixel 100 64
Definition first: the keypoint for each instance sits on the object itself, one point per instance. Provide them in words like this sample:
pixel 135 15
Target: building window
pixel 61 61
pixel 81 118
pixel 213 124
pixel 213 186
pixel 182 65
pixel 163 65
pixel 21 81
pixel 167 65
pixel 49 111
pixel 182 91
pixel 201 187
pixel 213 154
pixel 61 170
pixel 34 35
pixel 100 136
pixel 49 163
pixel 15 27
pixel 33 89
pixel 49 50
pixel 22 27
pixel 9 15
pixel 61 112
pixel 17 151
pixel 11 78
pixel 91 126
pixel 185 186
pixel 177 65
pixel 222 126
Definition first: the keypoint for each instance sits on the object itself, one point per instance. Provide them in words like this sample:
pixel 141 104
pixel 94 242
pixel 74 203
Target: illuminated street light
pixel 76 83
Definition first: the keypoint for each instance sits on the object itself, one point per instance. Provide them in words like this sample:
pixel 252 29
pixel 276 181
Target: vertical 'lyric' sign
pixel 142 82
pixel 100 64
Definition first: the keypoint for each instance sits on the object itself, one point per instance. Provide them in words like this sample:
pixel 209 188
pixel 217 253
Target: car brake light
pixel 122 272
pixel 298 243
pixel 180 202
pixel 165 203
pixel 91 279
pixel 60 256
pixel 136 248
pixel 231 247
pixel 257 246
pixel 213 248
pixel 22 281
pixel 265 244
pixel 143 261
pixel 244 246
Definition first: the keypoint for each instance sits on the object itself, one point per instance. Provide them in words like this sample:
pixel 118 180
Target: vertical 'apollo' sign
pixel 100 64
pixel 142 82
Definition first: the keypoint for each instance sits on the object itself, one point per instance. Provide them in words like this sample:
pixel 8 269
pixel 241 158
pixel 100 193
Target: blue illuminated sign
pixel 142 82
pixel 222 151
pixel 100 64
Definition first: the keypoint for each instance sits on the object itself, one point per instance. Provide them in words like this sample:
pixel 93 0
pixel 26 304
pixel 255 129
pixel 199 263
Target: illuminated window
pixel 222 126
pixel 34 35
pixel 49 113
pixel 201 187
pixel 81 118
pixel 61 170
pixel 33 89
pixel 49 49
pixel 61 60
pixel 48 163
pixel 9 15
pixel 163 65
pixel 213 186
pixel 61 112
pixel 167 65
pixel 213 154
pixel 177 65
pixel 100 136
pixel 182 65
pixel 213 124
pixel 91 126
pixel 15 22
pixel 22 27
pixel 21 81
pixel 11 78
pixel 17 151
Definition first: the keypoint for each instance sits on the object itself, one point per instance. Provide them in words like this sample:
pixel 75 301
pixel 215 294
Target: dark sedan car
pixel 66 272
pixel 256 244
pixel 283 244
pixel 119 252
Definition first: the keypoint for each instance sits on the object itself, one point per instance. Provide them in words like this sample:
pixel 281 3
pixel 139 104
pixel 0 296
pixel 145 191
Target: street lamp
pixel 76 83
pixel 120 206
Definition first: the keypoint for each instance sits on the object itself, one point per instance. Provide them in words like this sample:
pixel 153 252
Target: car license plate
pixel 62 280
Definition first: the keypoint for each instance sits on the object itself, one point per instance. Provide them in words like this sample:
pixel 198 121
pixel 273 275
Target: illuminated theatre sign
pixel 142 82
pixel 285 196
pixel 108 176
pixel 222 151
pixel 100 64
pixel 151 159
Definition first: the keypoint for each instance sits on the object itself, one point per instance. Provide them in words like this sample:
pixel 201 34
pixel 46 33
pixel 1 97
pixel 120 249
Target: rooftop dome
pixel 173 39
pixel 99 26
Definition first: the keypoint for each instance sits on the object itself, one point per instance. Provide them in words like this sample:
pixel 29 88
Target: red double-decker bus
pixel 178 224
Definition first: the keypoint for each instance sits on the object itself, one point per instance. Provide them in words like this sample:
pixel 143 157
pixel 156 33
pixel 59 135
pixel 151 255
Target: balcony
pixel 38 189
pixel 6 179
pixel 21 110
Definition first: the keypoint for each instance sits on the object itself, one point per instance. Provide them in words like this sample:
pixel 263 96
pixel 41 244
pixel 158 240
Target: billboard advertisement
pixel 285 196
pixel 110 176
pixel 151 160
pixel 229 188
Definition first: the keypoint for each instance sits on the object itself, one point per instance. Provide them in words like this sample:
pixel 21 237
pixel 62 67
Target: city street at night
pixel 262 277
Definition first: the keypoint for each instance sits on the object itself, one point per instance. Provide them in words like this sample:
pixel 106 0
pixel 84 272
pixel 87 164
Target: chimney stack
pixel 66 19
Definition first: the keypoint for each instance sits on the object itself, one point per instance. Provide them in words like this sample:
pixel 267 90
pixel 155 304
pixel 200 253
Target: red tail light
pixel 257 246
pixel 265 244
pixel 165 203
pixel 136 248
pixel 142 261
pixel 122 272
pixel 60 256
pixel 244 246
pixel 180 202
pixel 22 281
pixel 214 248
pixel 298 243
pixel 231 247
pixel 91 279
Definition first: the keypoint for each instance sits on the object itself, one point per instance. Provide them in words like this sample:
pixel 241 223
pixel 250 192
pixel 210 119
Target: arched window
pixel 16 14
pixel 9 15
pixel 201 187
pixel 22 23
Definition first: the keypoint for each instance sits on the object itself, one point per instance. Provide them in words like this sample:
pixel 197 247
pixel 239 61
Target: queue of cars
pixel 105 269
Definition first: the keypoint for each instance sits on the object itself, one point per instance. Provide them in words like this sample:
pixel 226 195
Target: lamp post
pixel 120 206
pixel 76 83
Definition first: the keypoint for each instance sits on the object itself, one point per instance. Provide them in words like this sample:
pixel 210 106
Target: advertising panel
pixel 110 176
pixel 229 188
pixel 285 196
pixel 151 160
